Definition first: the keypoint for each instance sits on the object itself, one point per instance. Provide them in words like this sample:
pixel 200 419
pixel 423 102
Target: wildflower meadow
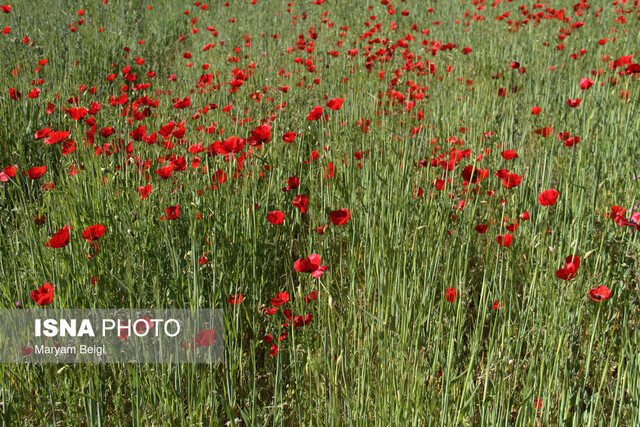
pixel 410 212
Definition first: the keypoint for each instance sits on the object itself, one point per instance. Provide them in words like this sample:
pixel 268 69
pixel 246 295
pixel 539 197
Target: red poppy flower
pixel 205 338
pixel 275 217
pixel 68 147
pixel 6 9
pixel 316 113
pixel 166 171
pixel 36 172
pixel 281 298
pixel 563 135
pixel 172 212
pixel 230 145
pixel 143 191
pixel 524 216
pixel 474 175
pixel 632 69
pixel 94 232
pixel 143 325
pixel 293 182
pixel 54 137
pixel 600 293
pixel 329 171
pixel 289 137
pixel 184 103
pixel 77 113
pixel 299 321
pixel 220 176
pixel 509 154
pixel 44 295
pixel 235 299
pixel 571 264
pixel 274 350
pixel 301 202
pixel 617 214
pixel 312 296
pixel 311 264
pixel 320 230
pixel 586 83
pixel 512 180
pixel 570 142
pixel 34 93
pixel 502 173
pixel 179 133
pixel 335 103
pixel 10 171
pixel 504 240
pixel 15 94
pixel 634 221
pixel 339 217
pixel 574 102
pixel 139 133
pixel 481 228
pixel 451 294
pixel 512 227
pixel 121 100
pixel 536 110
pixel 545 132
pixel 497 305
pixel 107 132
pixel 548 197
pixel 60 239
pixel 260 135
pixel 269 311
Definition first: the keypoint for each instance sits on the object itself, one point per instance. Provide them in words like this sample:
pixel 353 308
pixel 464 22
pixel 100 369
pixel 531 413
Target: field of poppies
pixel 412 212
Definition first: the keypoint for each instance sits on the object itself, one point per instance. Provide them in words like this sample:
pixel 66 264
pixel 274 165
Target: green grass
pixel 384 345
